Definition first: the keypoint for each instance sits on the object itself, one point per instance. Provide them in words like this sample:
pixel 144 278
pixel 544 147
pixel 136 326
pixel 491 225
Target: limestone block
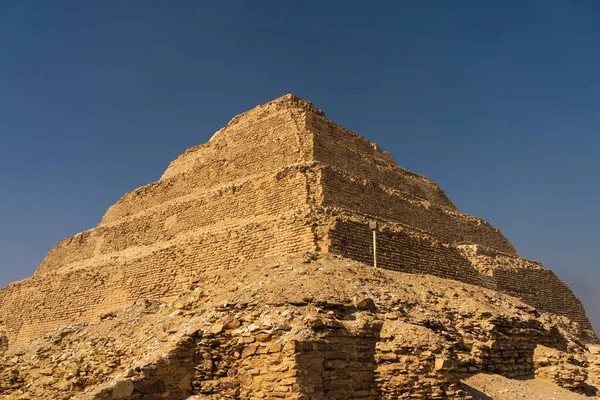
pixel 122 389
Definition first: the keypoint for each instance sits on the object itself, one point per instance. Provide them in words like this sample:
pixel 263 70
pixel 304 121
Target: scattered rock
pixel 122 389
pixel 364 303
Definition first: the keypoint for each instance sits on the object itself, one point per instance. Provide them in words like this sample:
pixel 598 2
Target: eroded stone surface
pixel 280 178
pixel 253 335
pixel 182 290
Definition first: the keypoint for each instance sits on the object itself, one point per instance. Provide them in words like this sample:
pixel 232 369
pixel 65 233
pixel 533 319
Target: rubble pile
pixel 349 332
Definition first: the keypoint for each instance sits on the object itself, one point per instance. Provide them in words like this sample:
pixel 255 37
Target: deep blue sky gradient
pixel 498 102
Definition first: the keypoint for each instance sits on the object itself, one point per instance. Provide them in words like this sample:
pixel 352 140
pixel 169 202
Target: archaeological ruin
pixel 245 272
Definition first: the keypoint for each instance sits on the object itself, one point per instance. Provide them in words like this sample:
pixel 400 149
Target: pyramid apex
pixel 288 96
pixel 287 101
pixel 293 101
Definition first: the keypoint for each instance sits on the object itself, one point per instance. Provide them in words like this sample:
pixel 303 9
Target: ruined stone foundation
pixel 304 326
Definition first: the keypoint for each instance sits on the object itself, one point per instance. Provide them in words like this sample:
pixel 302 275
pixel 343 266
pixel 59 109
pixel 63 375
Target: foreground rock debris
pixel 244 273
pixel 294 327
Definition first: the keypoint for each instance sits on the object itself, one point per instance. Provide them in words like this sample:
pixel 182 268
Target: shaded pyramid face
pixel 278 179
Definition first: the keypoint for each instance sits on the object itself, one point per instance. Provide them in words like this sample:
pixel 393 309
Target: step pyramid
pixel 278 179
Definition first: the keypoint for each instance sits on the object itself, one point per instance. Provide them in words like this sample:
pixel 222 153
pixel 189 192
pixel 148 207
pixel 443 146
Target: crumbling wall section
pixel 44 302
pixel 3 338
pixel 227 206
pixel 372 199
pixel 400 249
pixel 349 152
pixel 527 280
pixel 566 369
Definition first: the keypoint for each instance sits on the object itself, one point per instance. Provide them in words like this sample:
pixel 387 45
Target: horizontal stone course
pixel 278 179
pixel 400 249
pixel 88 291
pixel 381 202
pixel 230 205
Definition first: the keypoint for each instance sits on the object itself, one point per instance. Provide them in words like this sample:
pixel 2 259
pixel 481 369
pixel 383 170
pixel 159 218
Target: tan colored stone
pixel 443 364
pixel 122 389
pixel 252 247
pixel 258 188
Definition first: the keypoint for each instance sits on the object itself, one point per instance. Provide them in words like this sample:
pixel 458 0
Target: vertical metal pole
pixel 373 227
pixel 374 249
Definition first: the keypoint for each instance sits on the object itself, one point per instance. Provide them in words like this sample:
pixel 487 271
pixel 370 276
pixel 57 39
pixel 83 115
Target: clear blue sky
pixel 498 102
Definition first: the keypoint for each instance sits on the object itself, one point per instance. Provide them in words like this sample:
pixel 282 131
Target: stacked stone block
pixel 278 179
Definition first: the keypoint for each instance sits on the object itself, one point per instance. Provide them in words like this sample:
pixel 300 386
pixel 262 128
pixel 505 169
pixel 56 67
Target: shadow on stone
pixel 477 395
pixel 339 366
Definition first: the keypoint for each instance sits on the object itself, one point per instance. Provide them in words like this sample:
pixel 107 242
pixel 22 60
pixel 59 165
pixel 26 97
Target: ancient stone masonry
pixel 280 178
pixel 249 334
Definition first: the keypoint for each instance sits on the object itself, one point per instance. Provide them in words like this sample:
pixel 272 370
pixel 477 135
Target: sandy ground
pixel 489 386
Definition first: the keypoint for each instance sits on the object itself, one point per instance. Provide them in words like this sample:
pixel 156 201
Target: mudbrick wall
pixel 278 179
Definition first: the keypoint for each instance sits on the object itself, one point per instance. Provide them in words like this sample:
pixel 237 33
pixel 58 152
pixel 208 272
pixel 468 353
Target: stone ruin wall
pixel 279 196
pixel 407 251
pixel 377 201
pixel 347 151
pixel 44 302
pixel 216 205
pixel 278 179
pixel 361 182
pixel 378 357
pixel 400 345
